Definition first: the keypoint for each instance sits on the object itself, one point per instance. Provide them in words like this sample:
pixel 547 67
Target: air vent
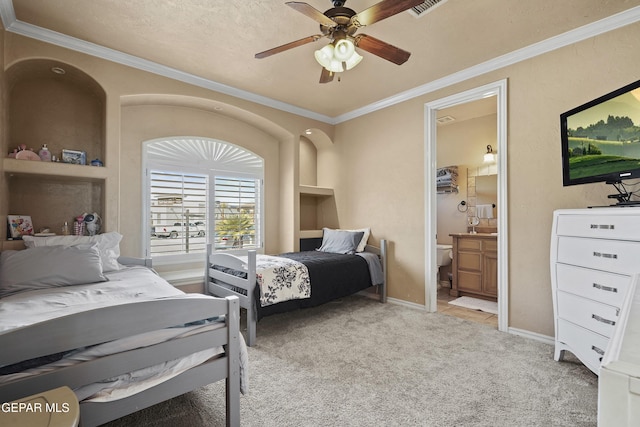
pixel 425 7
pixel 444 120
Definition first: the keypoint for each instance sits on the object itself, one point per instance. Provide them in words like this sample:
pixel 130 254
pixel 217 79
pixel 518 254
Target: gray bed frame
pixel 221 284
pixel 110 323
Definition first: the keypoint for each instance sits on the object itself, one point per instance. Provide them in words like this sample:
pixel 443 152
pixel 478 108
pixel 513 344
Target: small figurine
pixel 93 223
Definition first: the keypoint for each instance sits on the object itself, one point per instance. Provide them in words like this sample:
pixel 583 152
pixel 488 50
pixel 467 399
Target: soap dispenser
pixel 44 153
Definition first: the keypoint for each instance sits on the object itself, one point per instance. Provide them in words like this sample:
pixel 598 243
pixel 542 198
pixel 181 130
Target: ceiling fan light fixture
pixel 335 66
pixel 353 60
pixel 338 58
pixel 343 50
pixel 324 56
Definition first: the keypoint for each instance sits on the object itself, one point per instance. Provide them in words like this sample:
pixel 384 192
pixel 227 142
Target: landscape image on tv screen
pixel 605 139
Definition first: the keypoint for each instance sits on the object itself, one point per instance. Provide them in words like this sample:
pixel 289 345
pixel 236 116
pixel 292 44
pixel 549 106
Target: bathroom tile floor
pixel 474 315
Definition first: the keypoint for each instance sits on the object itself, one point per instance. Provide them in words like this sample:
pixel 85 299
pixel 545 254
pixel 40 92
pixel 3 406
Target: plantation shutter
pixel 200 191
pixel 237 212
pixel 178 212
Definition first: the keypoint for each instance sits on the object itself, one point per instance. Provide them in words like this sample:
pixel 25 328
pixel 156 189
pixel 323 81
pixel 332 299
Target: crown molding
pixel 610 23
pixel 613 22
pixel 52 37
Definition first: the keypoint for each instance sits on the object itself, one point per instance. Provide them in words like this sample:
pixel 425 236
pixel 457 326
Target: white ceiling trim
pixel 590 30
pixel 24 29
pixel 12 24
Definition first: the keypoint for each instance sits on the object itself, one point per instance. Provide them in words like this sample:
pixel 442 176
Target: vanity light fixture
pixel 489 156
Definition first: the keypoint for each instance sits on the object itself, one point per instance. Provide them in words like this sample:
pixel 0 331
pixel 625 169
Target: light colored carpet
pixel 476 304
pixel 358 362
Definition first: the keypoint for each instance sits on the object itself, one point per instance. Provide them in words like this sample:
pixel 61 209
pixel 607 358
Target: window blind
pixel 237 212
pixel 178 212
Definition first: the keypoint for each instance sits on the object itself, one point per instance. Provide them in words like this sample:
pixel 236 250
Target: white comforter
pixel 281 279
pixel 131 284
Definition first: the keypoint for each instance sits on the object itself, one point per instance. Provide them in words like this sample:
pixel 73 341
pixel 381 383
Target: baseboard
pixel 532 335
pixel 515 331
pixel 408 304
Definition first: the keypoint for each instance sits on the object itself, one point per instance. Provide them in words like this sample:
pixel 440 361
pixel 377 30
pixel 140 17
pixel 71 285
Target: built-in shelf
pixel 310 234
pixel 310 190
pixel 53 169
pixel 13 245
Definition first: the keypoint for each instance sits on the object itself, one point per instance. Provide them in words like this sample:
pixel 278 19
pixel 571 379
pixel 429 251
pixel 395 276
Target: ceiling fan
pixel 339 24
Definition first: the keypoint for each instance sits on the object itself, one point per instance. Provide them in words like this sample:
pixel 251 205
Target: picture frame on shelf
pixel 75 157
pixel 19 225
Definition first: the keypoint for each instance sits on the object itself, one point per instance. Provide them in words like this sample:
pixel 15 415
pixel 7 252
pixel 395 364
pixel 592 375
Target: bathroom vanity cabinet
pixel 475 265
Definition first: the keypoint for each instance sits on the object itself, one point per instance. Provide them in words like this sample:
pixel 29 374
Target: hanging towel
pixel 484 211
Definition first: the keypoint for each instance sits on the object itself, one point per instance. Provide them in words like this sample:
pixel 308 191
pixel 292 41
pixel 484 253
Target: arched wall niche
pixel 54 103
pixel 51 102
pixel 216 107
pixel 319 138
pixel 150 116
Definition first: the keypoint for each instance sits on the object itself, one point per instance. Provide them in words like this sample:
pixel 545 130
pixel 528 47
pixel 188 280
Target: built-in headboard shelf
pixel 11 245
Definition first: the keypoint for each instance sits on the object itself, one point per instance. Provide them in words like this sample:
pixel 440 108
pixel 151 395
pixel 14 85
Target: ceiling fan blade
pixel 382 10
pixel 288 46
pixel 382 49
pixel 312 13
pixel 326 76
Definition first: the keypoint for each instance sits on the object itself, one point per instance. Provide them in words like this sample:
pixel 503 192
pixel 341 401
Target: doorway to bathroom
pixel 465 149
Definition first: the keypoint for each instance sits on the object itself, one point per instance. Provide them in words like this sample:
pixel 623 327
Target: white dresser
pixel 594 253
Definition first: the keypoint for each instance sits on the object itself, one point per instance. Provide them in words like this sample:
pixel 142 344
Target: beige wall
pixel 392 141
pixel 376 162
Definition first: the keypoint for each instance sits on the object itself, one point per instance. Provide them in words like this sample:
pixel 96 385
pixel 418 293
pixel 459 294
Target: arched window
pixel 199 191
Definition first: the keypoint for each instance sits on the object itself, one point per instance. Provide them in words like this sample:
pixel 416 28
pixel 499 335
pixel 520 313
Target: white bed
pixel 134 325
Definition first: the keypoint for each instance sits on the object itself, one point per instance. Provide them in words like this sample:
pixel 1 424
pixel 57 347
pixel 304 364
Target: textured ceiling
pixel 217 39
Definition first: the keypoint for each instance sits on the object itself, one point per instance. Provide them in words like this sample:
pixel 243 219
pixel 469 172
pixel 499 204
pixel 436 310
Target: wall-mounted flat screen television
pixel 601 139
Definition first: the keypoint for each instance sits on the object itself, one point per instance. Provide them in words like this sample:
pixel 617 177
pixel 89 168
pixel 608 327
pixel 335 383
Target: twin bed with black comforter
pixel 343 265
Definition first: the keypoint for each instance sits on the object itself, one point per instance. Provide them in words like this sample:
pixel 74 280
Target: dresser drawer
pixel 601 254
pixel 622 227
pixel 608 288
pixel 592 315
pixel 587 345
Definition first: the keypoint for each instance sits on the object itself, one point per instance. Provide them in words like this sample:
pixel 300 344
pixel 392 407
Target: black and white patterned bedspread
pixel 281 279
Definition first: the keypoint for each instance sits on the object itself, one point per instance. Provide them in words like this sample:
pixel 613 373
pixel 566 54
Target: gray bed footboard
pixel 109 323
pixel 221 284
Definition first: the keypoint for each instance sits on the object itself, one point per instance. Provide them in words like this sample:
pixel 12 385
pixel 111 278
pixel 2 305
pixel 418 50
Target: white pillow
pixel 49 267
pixel 108 245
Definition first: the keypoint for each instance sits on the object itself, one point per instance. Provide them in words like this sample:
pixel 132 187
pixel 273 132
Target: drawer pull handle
pixel 603 320
pixel 605 255
pixel 597 350
pixel 603 226
pixel 605 288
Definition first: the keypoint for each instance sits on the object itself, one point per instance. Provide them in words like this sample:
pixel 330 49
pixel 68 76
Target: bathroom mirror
pixel 487 191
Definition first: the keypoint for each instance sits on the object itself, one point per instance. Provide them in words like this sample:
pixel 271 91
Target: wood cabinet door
pixel 490 273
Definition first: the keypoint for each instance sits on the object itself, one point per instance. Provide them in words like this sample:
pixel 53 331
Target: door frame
pixel 499 90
